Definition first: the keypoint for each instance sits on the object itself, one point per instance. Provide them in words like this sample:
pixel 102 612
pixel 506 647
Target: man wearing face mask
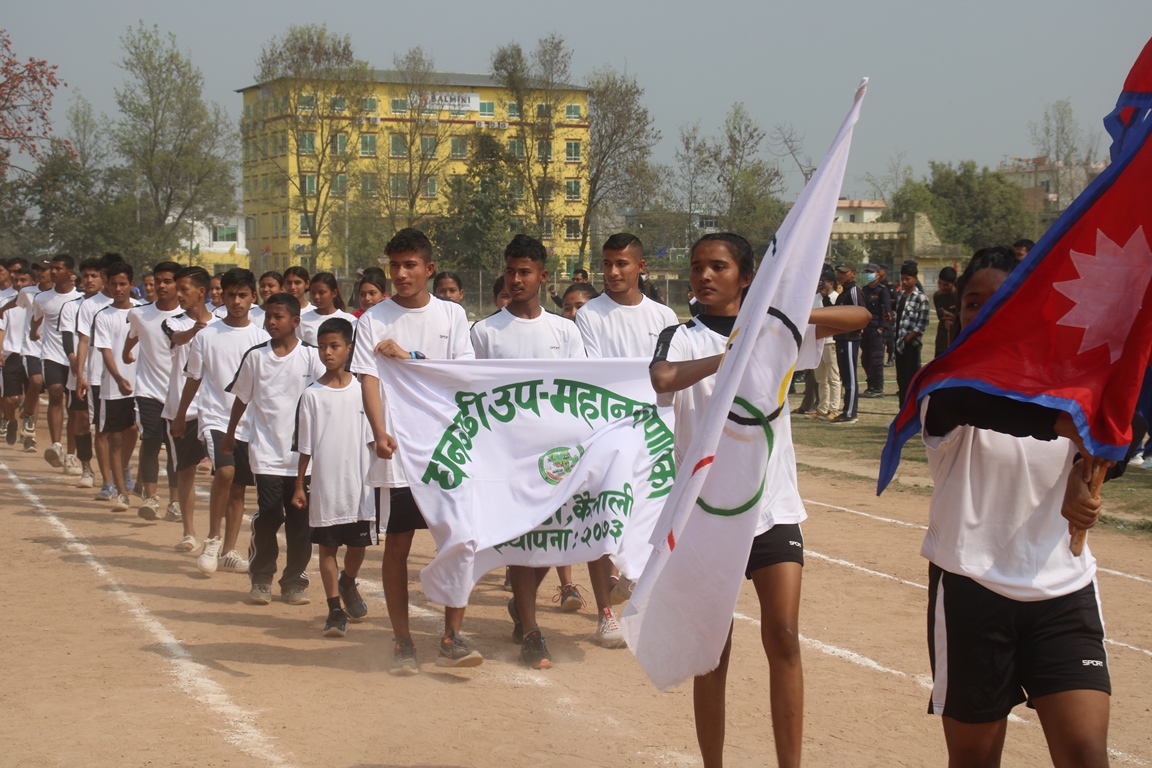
pixel 878 300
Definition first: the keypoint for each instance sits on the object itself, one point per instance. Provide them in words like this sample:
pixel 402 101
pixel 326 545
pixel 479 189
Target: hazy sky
pixel 949 81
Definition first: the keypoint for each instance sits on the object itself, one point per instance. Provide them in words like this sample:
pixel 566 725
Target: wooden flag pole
pixel 1080 535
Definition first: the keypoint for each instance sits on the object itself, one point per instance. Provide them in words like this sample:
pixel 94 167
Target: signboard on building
pixel 450 100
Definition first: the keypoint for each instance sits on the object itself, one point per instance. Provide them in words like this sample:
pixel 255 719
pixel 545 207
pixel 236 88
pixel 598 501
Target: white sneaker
pixel 150 509
pixel 174 514
pixel 86 479
pixel 72 466
pixel 210 557
pixel 54 455
pixel 187 544
pixel 608 633
pixel 121 503
pixel 1147 462
pixel 233 563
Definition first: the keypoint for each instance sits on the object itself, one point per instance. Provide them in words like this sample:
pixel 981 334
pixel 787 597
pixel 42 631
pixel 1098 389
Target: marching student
pixel 214 355
pixel 30 351
pixel 12 332
pixel 1013 615
pixel 685 362
pixel 78 427
pixel 500 295
pixel 192 284
pixel 576 296
pixel 216 295
pixel 372 290
pixel 296 282
pixel 44 326
pixel 448 286
pixel 409 325
pixel 153 368
pixel 339 502
pixel 326 303
pixel 620 322
pixel 268 284
pixel 117 385
pixel 520 331
pixel 269 381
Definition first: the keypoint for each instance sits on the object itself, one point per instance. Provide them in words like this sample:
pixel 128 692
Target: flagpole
pixel 1080 535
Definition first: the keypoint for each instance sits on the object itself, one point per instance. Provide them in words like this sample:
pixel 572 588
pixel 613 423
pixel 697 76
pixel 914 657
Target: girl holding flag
pixel 685 363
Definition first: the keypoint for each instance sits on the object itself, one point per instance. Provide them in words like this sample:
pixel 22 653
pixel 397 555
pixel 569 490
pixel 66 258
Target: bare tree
pixel 747 186
pixel 883 186
pixel 785 141
pixel 692 179
pixel 1068 149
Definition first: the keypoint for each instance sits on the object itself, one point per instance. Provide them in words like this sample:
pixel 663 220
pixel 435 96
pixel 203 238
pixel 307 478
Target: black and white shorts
pixel 186 451
pixel 238 458
pixel 118 415
pixel 94 408
pixel 148 418
pixel 55 373
pixel 78 404
pixel 15 379
pixel 361 533
pixel 779 544
pixel 990 652
pixel 402 515
pixel 32 366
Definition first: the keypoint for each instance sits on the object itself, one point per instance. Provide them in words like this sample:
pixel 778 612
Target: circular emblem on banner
pixel 558 462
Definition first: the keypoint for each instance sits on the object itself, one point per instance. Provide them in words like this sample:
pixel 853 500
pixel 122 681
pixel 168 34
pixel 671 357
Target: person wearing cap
pixel 911 323
pixel 848 344
pixel 878 299
pixel 947 303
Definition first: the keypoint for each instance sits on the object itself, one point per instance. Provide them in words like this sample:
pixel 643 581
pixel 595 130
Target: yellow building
pixel 314 151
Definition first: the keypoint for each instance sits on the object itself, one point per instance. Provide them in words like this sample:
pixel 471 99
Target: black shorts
pixel 55 373
pixel 151 424
pixel 77 404
pixel 238 458
pixel 118 415
pixel 990 652
pixel 362 533
pixel 93 398
pixel 14 379
pixel 186 451
pixel 404 515
pixel 33 366
pixel 778 544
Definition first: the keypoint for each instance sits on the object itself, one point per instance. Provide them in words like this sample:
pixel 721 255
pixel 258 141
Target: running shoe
pixel 454 652
pixel 621 590
pixel 54 455
pixel 121 503
pixel 129 483
pixel 150 509
pixel 231 562
pixel 569 598
pixel 28 427
pixel 1147 462
pixel 844 419
pixel 107 492
pixel 534 652
pixel 517 627
pixel 4 427
pixel 12 432
pixel 260 594
pixel 292 595
pixel 72 466
pixel 354 605
pixel 29 445
pixel 187 544
pixel 174 515
pixel 210 557
pixel 336 625
pixel 404 658
pixel 87 480
pixel 608 632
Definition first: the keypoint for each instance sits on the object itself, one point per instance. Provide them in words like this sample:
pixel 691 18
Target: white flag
pixel 529 462
pixel 677 621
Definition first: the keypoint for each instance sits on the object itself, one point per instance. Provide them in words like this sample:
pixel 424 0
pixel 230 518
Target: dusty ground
pixel 117 651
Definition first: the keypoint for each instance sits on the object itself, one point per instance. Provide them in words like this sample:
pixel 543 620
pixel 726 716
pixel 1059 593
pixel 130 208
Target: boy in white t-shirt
pixel 337 496
pixel 12 331
pixel 213 358
pixel 269 382
pixel 78 427
pixel 117 385
pixel 523 330
pixel 410 325
pixel 620 322
pixel 44 327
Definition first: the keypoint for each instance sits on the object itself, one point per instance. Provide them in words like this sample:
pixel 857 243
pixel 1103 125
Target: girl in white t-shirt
pixel 326 304
pixel 296 282
pixel 1012 614
pixel 687 358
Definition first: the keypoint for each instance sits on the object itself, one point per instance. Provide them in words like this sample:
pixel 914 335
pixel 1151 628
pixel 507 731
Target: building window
pixel 545 189
pixel 264 184
pixel 851 218
pixel 708 222
pixel 284 193
pixel 307 183
pixel 459 148
pixel 340 143
pixel 284 143
pixel 428 147
pixel 368 105
pixel 399 106
pixel 247 153
pixel 264 108
pixel 516 189
pixel 543 111
pixel 546 230
pixel 457 112
pixel 368 185
pixel 428 190
pixel 263 146
pixel 305 226
pixel 544 151
pixel 368 145
pixel 572 190
pixel 306 103
pixel 571 151
pixel 487 109
pixel 284 224
pixel 247 111
pixel 339 184
pixel 337 103
pixel 572 112
pixel 307 143
pixel 275 226
pixel 516 148
pixel 399 185
pixel 571 228
pixel 398 148
pixel 513 110
pixel 225 234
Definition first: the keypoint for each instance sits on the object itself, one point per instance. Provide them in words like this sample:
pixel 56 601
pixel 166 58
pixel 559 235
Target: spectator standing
pixel 911 323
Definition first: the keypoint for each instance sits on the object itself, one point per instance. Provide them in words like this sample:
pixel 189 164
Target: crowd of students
pixel 284 395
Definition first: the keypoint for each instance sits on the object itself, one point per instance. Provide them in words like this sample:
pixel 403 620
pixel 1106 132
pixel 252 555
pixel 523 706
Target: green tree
pixel 692 181
pixel 748 187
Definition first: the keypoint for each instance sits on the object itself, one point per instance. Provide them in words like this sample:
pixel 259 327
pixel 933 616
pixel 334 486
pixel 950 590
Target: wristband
pixel 417 355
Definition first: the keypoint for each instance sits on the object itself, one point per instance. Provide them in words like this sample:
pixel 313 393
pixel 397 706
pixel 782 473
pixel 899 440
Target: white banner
pixel 529 462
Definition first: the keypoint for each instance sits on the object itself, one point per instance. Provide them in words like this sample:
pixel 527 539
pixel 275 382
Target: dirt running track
pixel 117 651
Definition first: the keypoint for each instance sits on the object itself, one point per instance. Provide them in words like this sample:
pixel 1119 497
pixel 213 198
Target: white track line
pixel 894 521
pixel 240 729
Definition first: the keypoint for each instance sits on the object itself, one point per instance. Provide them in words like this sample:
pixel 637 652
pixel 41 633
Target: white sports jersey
pixel 7 294
pixel 85 316
pixel 46 309
pixel 311 321
pixel 695 340
pixel 109 331
pixel 503 336
pixel 619 330
pixel 271 386
pixel 67 324
pixel 214 356
pixel 153 351
pixel 15 330
pixel 25 300
pixel 439 330
pixel 332 429
pixel 995 512
pixel 178 356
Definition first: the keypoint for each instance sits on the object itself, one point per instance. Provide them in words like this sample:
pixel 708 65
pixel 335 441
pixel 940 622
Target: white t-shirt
pixel 619 330
pixel 214 356
pixel 255 313
pixel 271 386
pixel 439 330
pixel 46 308
pixel 179 356
pixel 332 429
pixel 109 331
pixel 25 301
pixel 694 340
pixel 67 324
pixel 85 316
pixel 153 352
pixel 311 320
pixel 15 325
pixel 995 512
pixel 503 336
